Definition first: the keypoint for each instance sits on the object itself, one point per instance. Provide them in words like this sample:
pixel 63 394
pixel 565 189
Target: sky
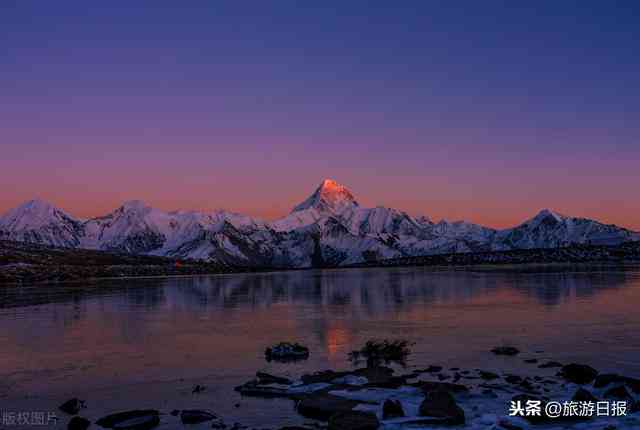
pixel 484 111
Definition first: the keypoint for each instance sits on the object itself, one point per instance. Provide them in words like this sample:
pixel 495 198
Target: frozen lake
pixel 145 343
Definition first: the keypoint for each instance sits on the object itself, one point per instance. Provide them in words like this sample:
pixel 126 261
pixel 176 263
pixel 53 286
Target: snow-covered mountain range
pixel 329 228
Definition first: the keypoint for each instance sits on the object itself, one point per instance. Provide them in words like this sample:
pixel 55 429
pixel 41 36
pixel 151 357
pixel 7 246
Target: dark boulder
pixel 195 416
pixel 72 406
pixel 392 409
pixel 513 379
pixel 380 377
pixel 489 376
pixel 605 379
pixel 265 378
pixel 505 350
pixel 527 385
pixel 582 395
pixel 578 373
pixel 353 420
pixel 286 351
pixel 442 406
pixel 140 423
pixel 618 393
pixel 220 425
pixel 611 378
pixel 254 389
pixel 131 420
pixel 633 383
pixel 322 406
pixel 78 423
pixel 198 389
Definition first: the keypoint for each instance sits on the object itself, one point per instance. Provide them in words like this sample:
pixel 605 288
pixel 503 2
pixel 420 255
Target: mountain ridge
pixel 328 228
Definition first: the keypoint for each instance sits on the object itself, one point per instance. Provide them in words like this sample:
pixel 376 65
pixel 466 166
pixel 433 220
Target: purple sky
pixel 482 112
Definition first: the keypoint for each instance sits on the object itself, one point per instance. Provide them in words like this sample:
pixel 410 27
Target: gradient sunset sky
pixel 478 110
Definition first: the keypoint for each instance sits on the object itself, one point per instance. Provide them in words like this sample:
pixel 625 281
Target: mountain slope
pixel 549 229
pixel 39 222
pixel 329 228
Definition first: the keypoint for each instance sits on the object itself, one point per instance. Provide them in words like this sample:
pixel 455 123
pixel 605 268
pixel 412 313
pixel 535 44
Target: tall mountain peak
pixel 32 212
pixel 38 221
pixel 330 196
pixel 546 214
pixel 134 205
pixel 36 205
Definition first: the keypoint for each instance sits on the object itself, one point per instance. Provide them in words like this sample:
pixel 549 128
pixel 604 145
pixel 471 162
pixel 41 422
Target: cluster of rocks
pixel 348 400
pixel 286 351
pixel 372 398
pixel 141 419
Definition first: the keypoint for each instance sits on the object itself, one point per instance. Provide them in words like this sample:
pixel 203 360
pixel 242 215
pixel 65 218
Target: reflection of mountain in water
pixel 126 320
pixel 553 288
pixel 376 291
pixel 368 291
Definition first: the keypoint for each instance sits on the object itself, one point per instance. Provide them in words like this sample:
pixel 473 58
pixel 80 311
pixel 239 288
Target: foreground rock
pixel 612 378
pixel 266 385
pixel 358 399
pixel 286 351
pixel 131 420
pixel 266 378
pixel 378 352
pixel 443 408
pixel 583 395
pixel 323 406
pixel 489 376
pixel 505 350
pixel 195 416
pixel 72 406
pixel 78 423
pixel 392 409
pixel 578 373
pixel 353 420
pixel 618 393
pixel 379 376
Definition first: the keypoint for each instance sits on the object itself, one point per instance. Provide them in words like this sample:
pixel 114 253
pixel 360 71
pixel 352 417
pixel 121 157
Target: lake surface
pixel 145 343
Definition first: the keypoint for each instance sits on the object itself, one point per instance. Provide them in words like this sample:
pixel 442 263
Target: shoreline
pixel 551 267
pixel 26 264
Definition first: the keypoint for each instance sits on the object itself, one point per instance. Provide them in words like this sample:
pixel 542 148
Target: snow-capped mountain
pixel 549 229
pixel 327 229
pixel 37 221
